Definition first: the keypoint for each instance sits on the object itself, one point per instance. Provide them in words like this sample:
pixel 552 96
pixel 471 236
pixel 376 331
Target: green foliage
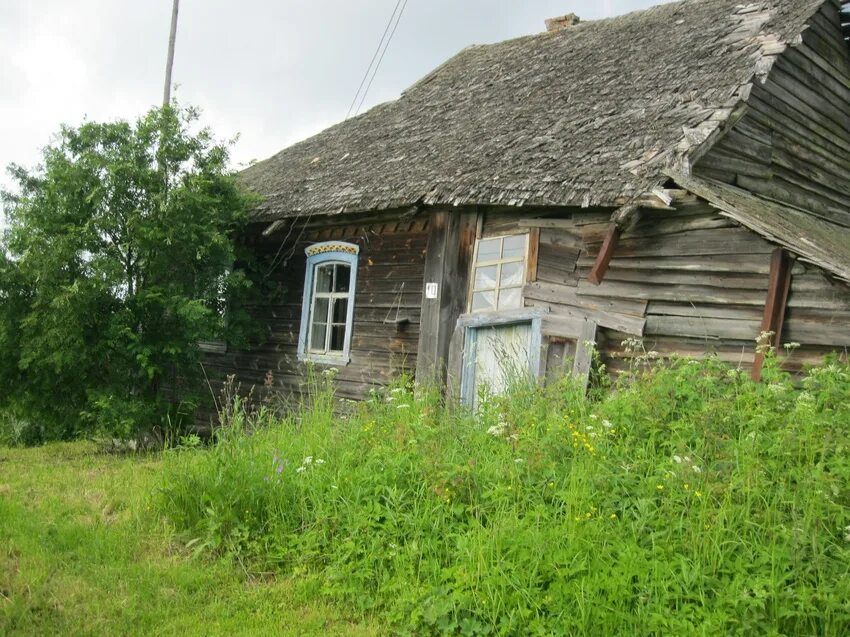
pixel 688 501
pixel 116 260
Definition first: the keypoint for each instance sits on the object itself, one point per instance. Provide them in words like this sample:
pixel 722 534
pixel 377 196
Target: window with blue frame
pixel 327 311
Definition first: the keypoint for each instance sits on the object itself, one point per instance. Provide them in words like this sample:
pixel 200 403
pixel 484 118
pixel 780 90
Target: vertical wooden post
pixel 600 266
pixel 778 287
pixel 584 352
pixel 533 252
pixel 447 263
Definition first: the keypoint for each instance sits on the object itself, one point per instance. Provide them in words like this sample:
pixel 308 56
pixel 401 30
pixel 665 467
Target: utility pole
pixel 166 95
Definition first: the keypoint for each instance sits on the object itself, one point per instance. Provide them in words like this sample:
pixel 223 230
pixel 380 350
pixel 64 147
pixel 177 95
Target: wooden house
pixel 679 174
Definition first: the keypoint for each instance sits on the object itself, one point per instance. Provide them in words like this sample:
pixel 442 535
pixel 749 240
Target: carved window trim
pixel 318 255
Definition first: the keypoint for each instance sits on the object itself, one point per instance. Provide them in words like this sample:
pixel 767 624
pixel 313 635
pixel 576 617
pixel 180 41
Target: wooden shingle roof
pixel 591 115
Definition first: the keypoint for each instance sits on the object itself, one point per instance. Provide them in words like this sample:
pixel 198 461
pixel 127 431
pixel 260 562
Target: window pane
pixel 513 274
pixel 485 278
pixel 318 334
pixel 514 246
pixel 337 338
pixel 340 312
pixel 343 278
pixel 488 249
pixel 483 301
pixel 324 277
pixel 510 298
pixel 320 310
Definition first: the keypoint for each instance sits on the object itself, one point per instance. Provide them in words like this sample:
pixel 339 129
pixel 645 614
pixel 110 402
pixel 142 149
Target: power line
pixel 380 59
pixel 381 44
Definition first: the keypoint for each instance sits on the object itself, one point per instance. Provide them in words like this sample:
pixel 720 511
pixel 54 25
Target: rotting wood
pixel 774 307
pixel 584 352
pixel 533 254
pixel 606 252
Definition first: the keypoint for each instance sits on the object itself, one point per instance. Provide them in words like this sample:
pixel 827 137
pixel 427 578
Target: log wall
pixel 387 307
pixel 793 143
pixel 687 281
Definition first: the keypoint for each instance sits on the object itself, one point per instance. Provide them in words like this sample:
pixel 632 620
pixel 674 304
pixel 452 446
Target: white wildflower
pixel 498 430
pixel 588 428
pixel 402 406
pixel 607 424
pixel 319 461
pixel 593 416
pixel 397 390
pixel 687 459
pixel 696 469
pixel 301 469
pixel 518 460
pixel 677 459
pixel 307 460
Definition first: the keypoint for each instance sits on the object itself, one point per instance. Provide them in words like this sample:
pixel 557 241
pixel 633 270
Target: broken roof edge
pixel 697 141
pixel 814 240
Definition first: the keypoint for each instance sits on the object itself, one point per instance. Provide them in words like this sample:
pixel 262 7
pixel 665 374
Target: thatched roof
pixel 590 115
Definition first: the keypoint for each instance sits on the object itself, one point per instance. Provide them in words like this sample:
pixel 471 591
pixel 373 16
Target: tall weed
pixel 689 500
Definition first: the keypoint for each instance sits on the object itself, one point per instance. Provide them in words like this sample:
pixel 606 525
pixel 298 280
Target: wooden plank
pixel 621 322
pixel 533 252
pixel 737 263
pixel 603 258
pixel 700 310
pixel 702 327
pixel 562 326
pixel 429 327
pixel 567 295
pixel 584 352
pixel 774 307
pixel 674 293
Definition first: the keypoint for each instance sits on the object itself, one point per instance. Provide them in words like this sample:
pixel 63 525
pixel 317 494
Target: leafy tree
pixel 119 251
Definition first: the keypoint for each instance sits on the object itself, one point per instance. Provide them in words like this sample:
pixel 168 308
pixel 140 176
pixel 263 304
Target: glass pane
pixel 513 274
pixel 340 311
pixel 485 278
pixel 483 301
pixel 514 247
pixel 318 333
pixel 343 278
pixel 324 277
pixel 320 310
pixel 337 338
pixel 488 249
pixel 510 298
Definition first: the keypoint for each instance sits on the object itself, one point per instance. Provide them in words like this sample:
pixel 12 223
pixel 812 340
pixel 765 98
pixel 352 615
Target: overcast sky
pixel 273 71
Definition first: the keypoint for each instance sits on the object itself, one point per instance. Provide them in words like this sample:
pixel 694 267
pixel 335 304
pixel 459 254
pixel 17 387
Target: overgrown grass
pixel 688 501
pixel 82 553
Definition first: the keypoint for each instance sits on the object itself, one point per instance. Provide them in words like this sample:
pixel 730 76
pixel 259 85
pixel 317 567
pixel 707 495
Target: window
pixel 499 273
pixel 327 311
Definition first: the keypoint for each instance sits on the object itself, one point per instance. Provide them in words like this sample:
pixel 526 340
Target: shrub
pixel 690 500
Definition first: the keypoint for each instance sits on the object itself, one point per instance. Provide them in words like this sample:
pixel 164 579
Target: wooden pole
pixel 600 266
pixel 778 287
pixel 169 64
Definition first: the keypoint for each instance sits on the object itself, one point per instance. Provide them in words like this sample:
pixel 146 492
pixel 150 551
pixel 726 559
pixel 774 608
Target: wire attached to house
pixel 377 57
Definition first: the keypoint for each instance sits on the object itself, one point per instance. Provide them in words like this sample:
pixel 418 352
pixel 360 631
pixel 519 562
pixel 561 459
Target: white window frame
pixel 323 254
pixel 499 262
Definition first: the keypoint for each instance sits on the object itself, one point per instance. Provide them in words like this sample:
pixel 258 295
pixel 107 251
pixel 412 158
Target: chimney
pixel 560 23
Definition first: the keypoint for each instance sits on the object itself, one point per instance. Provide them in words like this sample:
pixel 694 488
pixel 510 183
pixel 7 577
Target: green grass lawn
pixel 81 554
